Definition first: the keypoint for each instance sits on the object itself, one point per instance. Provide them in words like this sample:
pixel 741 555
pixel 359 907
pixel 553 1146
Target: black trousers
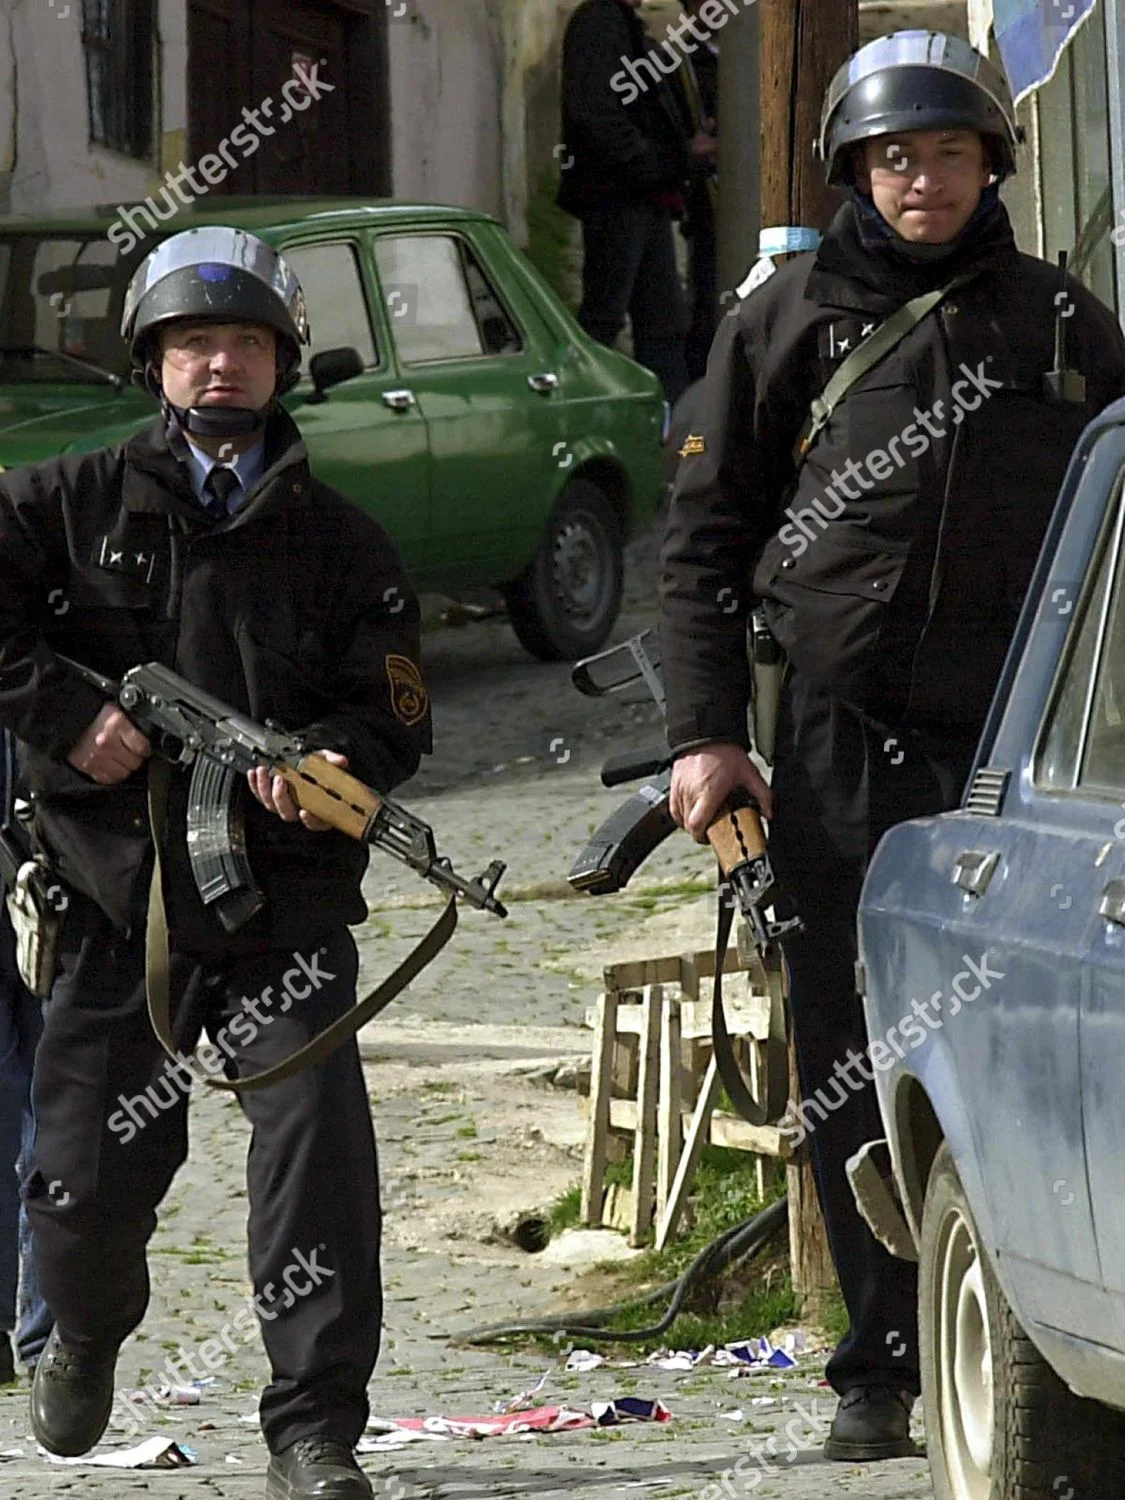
pixel 840 781
pixel 630 267
pixel 112 1131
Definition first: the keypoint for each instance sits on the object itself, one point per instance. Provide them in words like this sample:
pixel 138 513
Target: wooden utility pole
pixel 802 43
pixel 739 214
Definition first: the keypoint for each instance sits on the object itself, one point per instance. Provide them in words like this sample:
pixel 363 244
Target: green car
pixel 448 391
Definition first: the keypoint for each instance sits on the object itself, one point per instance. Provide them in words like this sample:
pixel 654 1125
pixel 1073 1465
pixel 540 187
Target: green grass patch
pixel 761 1308
pixel 565 1212
pixel 724 1193
pixel 751 1299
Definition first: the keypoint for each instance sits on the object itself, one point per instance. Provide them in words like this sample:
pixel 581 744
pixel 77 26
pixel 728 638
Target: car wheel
pixel 1000 1424
pixel 565 604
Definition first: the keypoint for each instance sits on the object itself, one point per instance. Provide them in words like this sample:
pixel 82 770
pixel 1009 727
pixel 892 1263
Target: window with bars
pixel 118 41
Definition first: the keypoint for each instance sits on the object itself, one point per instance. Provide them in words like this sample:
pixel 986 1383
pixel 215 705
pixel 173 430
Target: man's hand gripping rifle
pixel 190 727
pixel 630 835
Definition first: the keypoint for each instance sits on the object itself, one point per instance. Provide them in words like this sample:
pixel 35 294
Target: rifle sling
pixel 871 352
pixel 772 1104
pixel 158 979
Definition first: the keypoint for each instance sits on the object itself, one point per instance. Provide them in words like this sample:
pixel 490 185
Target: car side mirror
pixel 333 367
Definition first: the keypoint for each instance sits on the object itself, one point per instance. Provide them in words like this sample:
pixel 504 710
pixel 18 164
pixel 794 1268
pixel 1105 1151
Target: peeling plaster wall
pixel 446 84
pixel 533 31
pixel 474 105
pixel 475 101
pixel 46 160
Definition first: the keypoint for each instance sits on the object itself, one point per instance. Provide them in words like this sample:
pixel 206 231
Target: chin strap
pixel 220 421
pixel 181 422
pixel 208 421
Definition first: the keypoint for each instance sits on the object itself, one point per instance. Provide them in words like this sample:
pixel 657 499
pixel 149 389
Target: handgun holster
pixel 768 665
pixel 37 904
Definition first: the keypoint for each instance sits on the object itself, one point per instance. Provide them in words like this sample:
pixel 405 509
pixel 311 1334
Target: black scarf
pixel 862 246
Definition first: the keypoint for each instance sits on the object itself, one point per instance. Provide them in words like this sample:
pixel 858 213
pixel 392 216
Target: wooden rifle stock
pixel 737 836
pixel 329 793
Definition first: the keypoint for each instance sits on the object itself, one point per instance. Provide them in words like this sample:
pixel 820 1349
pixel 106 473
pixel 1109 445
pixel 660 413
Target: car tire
pixel 567 601
pixel 1000 1424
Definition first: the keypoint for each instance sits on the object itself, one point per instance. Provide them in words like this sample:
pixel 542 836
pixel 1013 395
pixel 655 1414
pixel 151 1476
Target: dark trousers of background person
pixel 311 1173
pixel 703 286
pixel 21 1021
pixel 836 792
pixel 629 267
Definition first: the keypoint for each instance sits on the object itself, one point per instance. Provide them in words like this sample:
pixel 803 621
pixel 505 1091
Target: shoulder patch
pixel 409 697
pixel 692 446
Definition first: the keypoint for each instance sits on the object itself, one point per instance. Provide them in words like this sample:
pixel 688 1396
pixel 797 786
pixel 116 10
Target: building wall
pixel 474 98
pixel 446 70
pixel 46 160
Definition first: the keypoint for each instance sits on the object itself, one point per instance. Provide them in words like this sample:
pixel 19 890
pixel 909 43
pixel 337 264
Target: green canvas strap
pixel 874 348
pixel 775 1082
pixel 158 975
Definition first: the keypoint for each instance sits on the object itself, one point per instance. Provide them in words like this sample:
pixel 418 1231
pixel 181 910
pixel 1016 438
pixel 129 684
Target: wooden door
pixel 253 64
pixel 309 152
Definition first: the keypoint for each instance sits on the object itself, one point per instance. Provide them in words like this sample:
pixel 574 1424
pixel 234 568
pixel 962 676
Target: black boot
pixel 871 1422
pixel 317 1468
pixel 71 1397
pixel 7 1360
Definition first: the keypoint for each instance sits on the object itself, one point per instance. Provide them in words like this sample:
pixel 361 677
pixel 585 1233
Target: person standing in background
pixel 628 156
pixel 701 86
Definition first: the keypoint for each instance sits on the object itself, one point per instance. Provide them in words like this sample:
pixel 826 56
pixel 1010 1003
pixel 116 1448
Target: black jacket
pixel 622 141
pixel 289 609
pixel 898 592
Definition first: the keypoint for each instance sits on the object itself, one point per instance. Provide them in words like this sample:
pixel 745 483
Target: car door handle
pixel 544 385
pixel 399 400
pixel 1112 904
pixel 973 870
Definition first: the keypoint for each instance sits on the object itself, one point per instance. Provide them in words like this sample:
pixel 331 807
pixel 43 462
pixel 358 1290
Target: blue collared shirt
pixel 249 467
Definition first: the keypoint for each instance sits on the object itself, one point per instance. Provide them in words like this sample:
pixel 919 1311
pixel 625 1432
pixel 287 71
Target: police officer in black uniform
pixel 891 560
pixel 206 544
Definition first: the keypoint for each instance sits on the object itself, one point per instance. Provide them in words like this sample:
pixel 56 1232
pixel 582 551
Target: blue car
pixel 992 963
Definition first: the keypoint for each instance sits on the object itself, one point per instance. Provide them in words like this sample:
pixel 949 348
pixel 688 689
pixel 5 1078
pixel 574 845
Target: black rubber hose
pixel 738 1242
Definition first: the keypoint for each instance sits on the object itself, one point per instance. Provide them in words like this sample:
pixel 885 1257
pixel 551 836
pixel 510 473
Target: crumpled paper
pixel 742 1357
pixel 398 1432
pixel 153 1453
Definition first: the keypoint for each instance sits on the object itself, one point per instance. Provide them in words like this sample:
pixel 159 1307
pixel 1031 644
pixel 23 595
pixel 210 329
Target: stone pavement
pixel 469 1139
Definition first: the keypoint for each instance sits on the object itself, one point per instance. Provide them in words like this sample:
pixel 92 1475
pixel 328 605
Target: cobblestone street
pixel 469 1138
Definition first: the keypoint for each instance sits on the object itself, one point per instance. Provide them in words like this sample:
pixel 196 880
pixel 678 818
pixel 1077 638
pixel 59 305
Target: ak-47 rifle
pixel 631 834
pixel 189 727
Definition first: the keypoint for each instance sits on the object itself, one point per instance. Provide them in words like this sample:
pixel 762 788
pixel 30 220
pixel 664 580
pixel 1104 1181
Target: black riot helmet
pixel 917 80
pixel 214 274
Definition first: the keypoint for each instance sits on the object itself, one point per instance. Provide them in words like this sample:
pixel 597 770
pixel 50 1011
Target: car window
pixel 1084 748
pixel 429 303
pixel 337 305
pixel 498 332
pixel 61 293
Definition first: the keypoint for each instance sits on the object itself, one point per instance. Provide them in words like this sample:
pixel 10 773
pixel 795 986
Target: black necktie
pixel 218 487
